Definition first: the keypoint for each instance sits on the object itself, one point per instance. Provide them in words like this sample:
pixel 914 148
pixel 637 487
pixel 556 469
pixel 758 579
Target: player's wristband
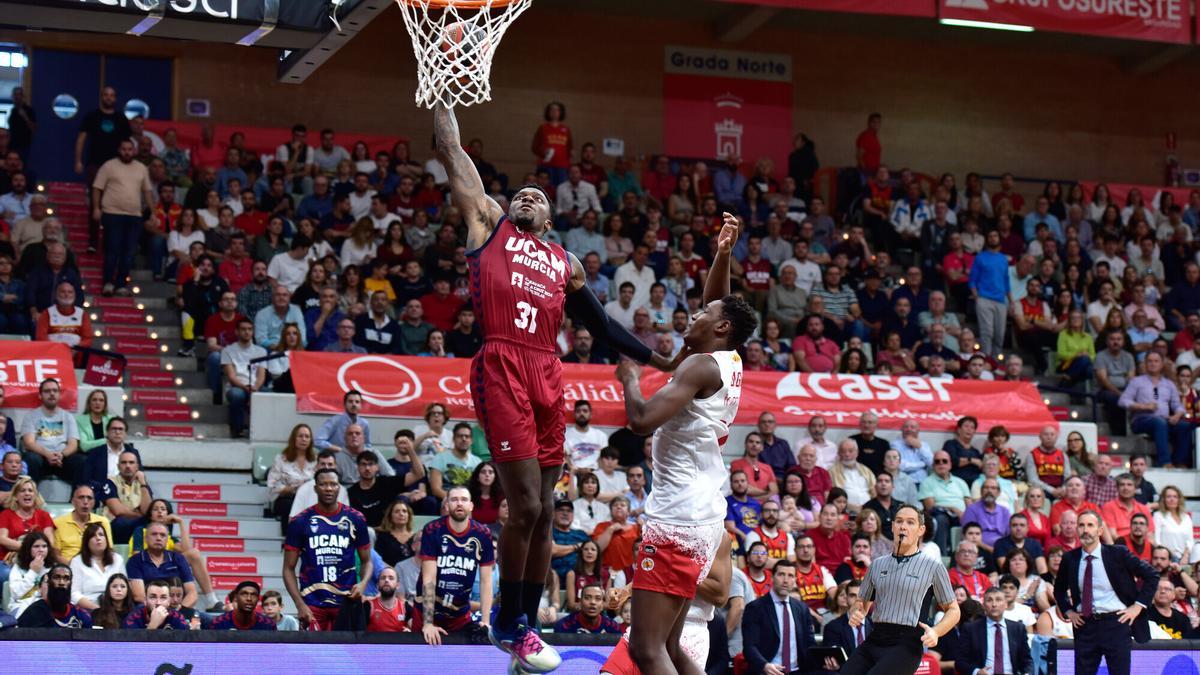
pixel 583 306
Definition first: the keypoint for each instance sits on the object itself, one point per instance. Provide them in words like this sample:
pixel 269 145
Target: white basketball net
pixel 454 43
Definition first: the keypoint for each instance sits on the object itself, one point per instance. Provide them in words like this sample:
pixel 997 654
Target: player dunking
pixel 685 513
pixel 520 287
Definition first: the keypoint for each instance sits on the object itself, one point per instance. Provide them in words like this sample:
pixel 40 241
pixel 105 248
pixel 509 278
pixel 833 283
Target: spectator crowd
pixel 326 249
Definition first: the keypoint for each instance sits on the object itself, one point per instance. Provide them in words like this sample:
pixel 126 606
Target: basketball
pixel 463 40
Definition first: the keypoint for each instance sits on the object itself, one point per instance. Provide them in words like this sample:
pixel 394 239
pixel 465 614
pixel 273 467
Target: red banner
pixel 23 365
pixel 923 8
pixel 719 103
pixel 398 386
pixel 1151 20
pixel 1118 192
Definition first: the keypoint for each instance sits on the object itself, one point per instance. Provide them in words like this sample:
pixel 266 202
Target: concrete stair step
pixel 199 457
pixel 124 331
pixel 172 395
pixel 160 430
pixel 138 378
pixel 135 346
pixel 223 582
pixel 155 290
pixel 150 304
pixel 129 316
pixel 169 477
pixel 270 564
pixel 247 528
pixel 175 413
pixel 215 492
pixel 217 510
pixel 239 544
pixel 165 412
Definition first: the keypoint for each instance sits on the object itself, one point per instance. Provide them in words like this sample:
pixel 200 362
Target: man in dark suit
pixel 773 615
pixel 839 633
pixel 994 645
pixel 97 468
pixel 1096 585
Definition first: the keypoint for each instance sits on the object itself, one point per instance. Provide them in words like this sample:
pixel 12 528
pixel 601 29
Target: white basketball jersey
pixel 688 467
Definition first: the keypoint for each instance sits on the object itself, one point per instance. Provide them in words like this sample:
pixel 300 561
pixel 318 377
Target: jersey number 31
pixel 527 321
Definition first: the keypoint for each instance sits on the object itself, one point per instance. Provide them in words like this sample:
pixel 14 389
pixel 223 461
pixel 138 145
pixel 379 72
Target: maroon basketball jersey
pixel 518 287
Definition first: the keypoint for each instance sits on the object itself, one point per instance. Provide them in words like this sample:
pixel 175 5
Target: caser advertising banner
pixel 923 8
pixel 1150 20
pixel 23 366
pixel 400 386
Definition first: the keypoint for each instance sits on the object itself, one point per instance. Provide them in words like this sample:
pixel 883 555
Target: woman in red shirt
pixel 1039 522
pixel 552 144
pixel 485 493
pixel 23 513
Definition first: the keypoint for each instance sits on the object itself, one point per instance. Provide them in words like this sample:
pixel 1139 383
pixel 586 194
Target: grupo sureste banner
pixel 23 366
pixel 400 386
pixel 1150 20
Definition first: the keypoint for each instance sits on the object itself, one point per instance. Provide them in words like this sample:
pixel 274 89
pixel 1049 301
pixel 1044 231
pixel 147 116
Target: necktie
pixel 785 638
pixel 861 639
pixel 998 651
pixel 1088 606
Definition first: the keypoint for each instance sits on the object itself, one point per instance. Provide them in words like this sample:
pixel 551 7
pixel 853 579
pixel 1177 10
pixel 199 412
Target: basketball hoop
pixel 454 41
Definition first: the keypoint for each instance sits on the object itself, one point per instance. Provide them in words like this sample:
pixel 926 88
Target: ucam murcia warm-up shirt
pixel 328 546
pixel 459 555
pixel 228 621
pixel 139 619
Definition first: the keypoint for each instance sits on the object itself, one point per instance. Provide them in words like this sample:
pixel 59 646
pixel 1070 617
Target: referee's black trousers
pixel 890 649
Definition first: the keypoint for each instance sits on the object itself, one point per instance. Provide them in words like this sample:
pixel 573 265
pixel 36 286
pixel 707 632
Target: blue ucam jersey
pixel 459 557
pixel 328 545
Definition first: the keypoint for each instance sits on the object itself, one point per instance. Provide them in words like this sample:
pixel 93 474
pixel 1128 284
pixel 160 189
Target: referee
pixel 897 584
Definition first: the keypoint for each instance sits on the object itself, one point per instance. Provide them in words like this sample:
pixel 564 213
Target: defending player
pixel 324 539
pixel 685 513
pixel 520 286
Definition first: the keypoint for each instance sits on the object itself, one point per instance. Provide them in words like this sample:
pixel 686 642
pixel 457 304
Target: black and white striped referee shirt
pixel 898 586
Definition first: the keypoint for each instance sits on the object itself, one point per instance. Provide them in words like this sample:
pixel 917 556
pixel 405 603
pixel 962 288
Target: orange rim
pixel 460 4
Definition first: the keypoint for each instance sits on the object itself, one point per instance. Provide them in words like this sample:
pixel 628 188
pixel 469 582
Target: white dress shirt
pixel 782 606
pixel 1104 598
pixel 826 451
pixel 989 655
pixel 579 198
pixel 90 581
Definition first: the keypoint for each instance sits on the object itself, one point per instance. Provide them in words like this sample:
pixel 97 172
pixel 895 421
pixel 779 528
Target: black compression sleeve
pixel 584 307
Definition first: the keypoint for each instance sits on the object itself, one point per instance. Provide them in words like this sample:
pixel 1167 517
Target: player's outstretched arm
pixel 698 373
pixel 480 212
pixel 716 286
pixel 584 308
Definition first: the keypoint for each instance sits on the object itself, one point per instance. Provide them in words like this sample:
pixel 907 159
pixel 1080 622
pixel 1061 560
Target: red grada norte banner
pixel 400 386
pixel 23 366
pixel 894 7
pixel 720 103
pixel 1151 20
